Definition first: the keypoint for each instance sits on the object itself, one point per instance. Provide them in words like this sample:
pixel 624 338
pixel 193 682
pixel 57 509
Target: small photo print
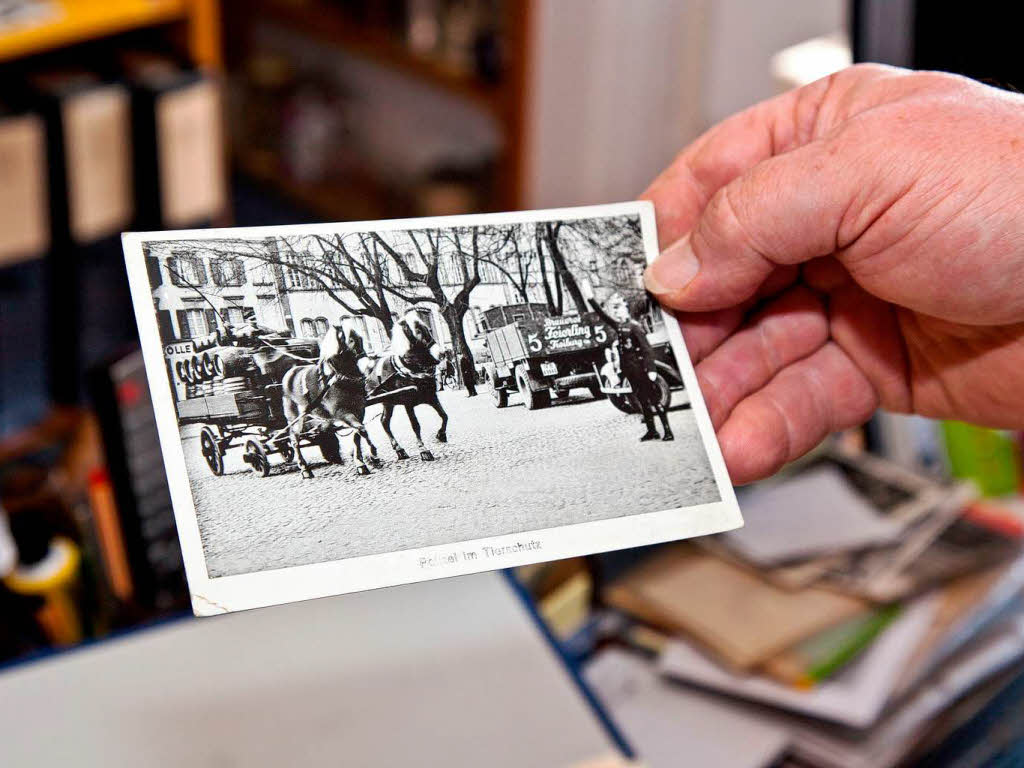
pixel 349 406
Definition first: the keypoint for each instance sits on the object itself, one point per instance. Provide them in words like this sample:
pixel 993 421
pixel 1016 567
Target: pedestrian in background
pixel 468 374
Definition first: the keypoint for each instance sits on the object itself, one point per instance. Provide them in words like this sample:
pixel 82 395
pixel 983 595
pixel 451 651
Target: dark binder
pixel 89 156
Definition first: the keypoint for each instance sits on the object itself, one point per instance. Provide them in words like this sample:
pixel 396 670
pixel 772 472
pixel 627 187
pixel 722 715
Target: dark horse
pixel 332 394
pixel 410 364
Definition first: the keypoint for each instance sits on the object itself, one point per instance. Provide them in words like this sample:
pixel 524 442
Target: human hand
pixel 652 375
pixel 854 243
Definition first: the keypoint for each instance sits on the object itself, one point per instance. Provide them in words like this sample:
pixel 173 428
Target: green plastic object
pixel 988 457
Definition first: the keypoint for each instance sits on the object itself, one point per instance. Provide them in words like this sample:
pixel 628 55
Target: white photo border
pixel 254 590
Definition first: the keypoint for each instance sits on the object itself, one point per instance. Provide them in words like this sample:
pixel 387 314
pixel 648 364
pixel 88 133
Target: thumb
pixel 786 210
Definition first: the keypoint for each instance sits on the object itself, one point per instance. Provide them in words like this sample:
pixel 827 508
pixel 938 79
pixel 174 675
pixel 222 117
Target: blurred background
pixel 896 638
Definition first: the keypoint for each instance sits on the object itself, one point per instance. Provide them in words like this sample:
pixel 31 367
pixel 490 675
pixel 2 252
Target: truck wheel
pixel 500 397
pixel 535 395
pixel 624 403
pixel 664 391
pixel 498 393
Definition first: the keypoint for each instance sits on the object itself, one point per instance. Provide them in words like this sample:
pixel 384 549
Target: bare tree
pixel 347 268
pixel 516 261
pixel 443 268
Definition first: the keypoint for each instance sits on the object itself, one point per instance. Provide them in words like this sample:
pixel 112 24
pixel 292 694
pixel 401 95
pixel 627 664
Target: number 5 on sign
pixel 533 342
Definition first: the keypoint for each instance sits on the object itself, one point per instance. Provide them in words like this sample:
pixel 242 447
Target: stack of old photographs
pixel 859 602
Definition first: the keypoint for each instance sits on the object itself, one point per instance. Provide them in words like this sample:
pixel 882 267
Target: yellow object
pixel 76 21
pixel 52 579
pixel 567 607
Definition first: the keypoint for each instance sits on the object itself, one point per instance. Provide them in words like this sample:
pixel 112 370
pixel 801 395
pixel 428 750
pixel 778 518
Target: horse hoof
pixel 376 462
pixel 308 474
pixel 401 454
pixel 442 437
pixel 426 456
pixel 362 470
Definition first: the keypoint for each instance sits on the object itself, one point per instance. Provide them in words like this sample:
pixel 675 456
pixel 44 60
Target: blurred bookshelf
pixel 376 42
pixel 111 119
pixel 369 55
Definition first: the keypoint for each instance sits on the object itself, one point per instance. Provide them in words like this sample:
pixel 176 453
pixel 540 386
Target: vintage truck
pixel 540 356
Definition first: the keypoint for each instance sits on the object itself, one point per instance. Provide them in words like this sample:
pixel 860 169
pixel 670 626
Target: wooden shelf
pixel 329 25
pixel 77 21
pixel 362 198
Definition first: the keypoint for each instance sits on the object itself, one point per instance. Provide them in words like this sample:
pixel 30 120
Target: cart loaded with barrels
pixel 230 383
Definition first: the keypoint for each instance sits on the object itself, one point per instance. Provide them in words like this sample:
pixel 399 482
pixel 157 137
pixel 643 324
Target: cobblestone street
pixel 503 471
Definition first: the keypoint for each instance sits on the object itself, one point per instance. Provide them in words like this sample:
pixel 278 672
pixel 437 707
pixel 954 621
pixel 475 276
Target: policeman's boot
pixel 666 428
pixel 651 433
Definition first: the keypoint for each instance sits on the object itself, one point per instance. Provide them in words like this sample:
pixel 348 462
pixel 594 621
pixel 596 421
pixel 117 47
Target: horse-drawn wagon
pixel 274 395
pixel 231 385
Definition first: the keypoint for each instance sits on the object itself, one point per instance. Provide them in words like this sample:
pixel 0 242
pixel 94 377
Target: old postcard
pixel 349 406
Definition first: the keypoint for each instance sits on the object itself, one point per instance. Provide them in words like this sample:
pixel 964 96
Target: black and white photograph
pixel 414 399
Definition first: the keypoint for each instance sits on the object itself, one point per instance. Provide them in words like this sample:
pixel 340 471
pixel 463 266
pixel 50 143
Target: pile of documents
pixel 859 603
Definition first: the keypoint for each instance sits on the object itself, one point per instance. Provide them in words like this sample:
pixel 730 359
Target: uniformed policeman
pixel 636 358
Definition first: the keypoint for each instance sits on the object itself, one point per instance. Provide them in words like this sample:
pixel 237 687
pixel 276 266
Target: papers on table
pixel 669 725
pixel 744 619
pixel 855 697
pixel 896 732
pixel 813 513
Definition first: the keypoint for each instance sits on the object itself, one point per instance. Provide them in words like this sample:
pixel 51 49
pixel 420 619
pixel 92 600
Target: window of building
pixel 321 326
pixel 262 274
pixel 375 336
pixel 301 277
pixel 234 315
pixel 186 269
pixel 228 272
pixel 449 269
pixel 307 327
pixel 195 323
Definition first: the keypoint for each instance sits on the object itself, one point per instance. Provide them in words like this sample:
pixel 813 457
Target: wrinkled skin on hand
pixel 852 244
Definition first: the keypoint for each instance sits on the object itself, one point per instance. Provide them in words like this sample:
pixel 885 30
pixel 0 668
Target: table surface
pixel 451 672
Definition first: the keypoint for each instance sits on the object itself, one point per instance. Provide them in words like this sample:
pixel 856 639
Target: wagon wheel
pixel 209 445
pixel 256 457
pixel 284 447
pixel 330 448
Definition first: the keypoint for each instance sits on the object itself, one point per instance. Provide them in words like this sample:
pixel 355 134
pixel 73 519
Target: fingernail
pixel 674 268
